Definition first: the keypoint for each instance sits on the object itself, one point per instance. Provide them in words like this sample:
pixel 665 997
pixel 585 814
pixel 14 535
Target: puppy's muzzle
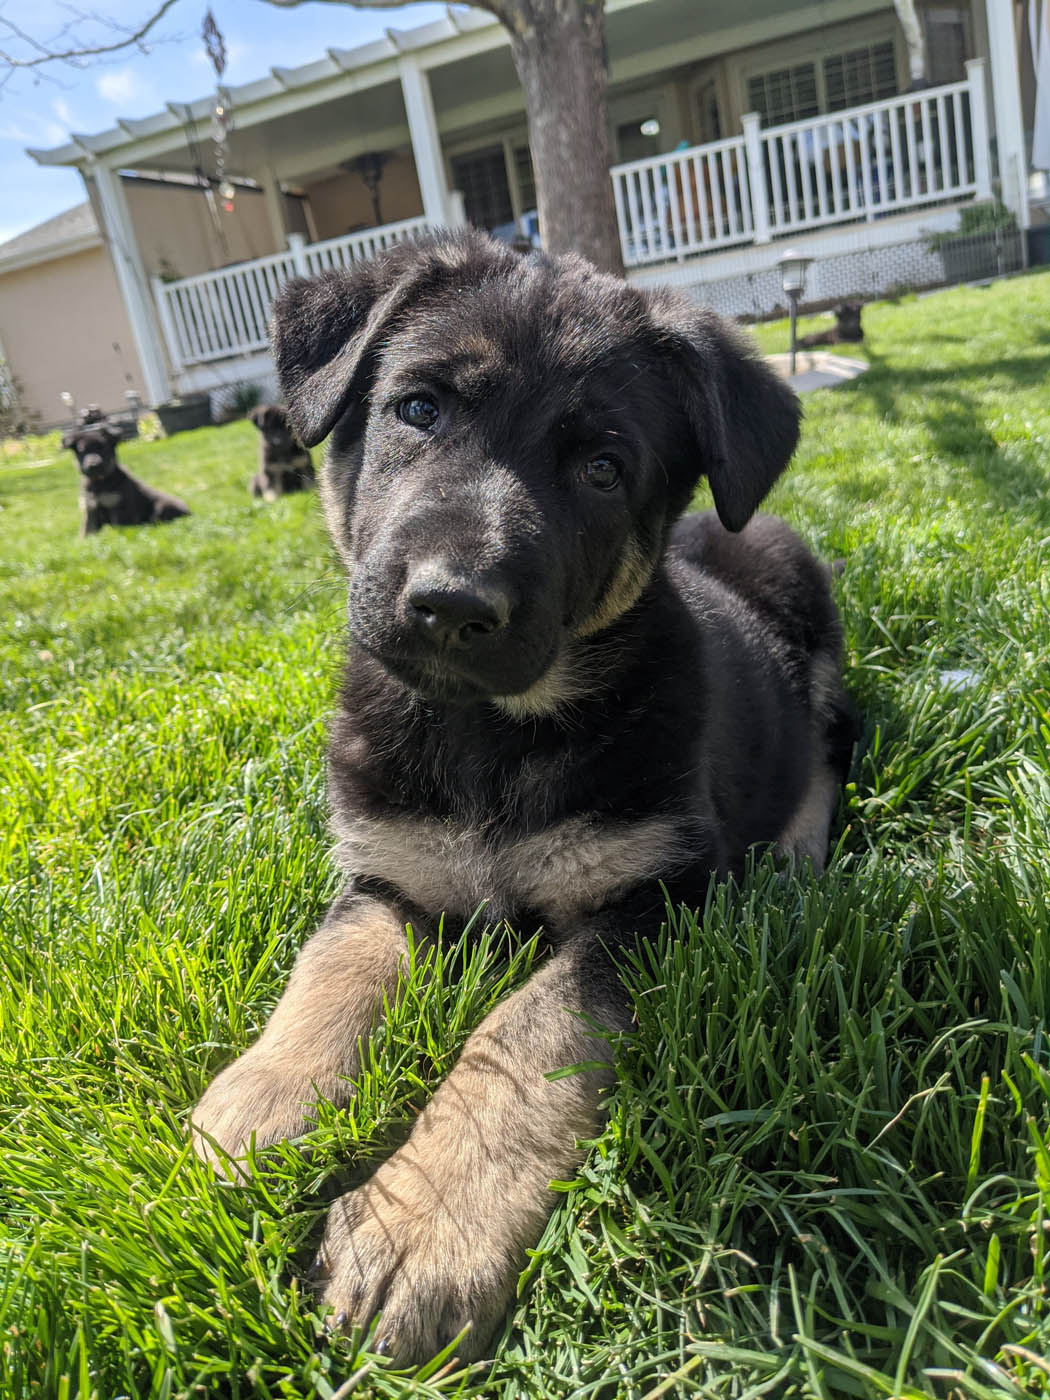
pixel 450 611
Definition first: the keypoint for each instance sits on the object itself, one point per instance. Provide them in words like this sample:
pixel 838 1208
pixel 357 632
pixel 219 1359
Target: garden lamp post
pixel 793 279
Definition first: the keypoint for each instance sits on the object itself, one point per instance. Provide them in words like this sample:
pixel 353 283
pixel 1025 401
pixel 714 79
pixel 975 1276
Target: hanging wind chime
pixel 222 112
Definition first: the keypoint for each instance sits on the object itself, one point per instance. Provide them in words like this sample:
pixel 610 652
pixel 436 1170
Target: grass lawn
pixel 827 1169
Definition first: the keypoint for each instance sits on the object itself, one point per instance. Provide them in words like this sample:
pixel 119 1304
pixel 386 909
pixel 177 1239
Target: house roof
pixel 279 81
pixel 68 232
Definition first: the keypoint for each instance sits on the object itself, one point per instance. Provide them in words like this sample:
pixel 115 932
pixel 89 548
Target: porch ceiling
pixel 302 122
pixel 315 140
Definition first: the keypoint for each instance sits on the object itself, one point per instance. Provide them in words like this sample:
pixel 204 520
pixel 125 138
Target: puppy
pixel 555 699
pixel 284 466
pixel 109 495
pixel 847 328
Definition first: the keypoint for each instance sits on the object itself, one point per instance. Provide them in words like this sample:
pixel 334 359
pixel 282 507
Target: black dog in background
pixel 284 466
pixel 556 699
pixel 109 495
pixel 846 330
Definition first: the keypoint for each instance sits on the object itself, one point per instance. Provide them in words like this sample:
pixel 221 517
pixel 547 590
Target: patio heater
pixel 793 279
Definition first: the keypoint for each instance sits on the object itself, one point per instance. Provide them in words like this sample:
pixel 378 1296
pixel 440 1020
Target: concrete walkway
pixel 816 369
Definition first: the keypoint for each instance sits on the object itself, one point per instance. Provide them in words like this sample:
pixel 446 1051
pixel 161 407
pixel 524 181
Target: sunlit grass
pixel 827 1168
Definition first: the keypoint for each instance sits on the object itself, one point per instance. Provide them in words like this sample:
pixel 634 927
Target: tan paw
pixel 251 1100
pixel 388 1250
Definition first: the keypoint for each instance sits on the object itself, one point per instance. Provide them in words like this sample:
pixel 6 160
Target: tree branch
pixel 44 55
pixel 504 10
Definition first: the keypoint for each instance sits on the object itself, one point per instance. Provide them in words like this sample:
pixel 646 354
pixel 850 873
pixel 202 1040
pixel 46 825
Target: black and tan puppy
pixel 284 466
pixel 555 699
pixel 109 495
pixel 847 329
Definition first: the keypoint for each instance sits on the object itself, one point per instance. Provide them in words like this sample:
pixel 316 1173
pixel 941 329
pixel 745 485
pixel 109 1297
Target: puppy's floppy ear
pixel 324 331
pixel 744 418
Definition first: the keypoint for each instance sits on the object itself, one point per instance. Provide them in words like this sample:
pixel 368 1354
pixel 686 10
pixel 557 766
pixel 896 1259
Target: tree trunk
pixel 559 52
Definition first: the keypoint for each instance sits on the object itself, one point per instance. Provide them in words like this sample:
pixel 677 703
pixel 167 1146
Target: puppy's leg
pixel 437 1238
pixel 806 836
pixel 310 1044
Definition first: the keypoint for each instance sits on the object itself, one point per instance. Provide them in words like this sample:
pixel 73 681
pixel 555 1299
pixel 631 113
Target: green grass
pixel 827 1168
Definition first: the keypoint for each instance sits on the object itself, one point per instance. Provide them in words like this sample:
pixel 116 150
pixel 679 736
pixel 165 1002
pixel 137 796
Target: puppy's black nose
pixel 455 611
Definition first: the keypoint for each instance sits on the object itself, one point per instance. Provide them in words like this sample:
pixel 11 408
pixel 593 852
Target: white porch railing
pixel 861 163
pixel 216 315
pixel 856 164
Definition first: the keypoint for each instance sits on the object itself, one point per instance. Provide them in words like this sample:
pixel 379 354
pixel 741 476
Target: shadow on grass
pixel 955 418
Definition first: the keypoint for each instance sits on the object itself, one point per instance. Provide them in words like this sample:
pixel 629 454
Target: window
pixel 947 43
pixel 862 75
pixel 525 177
pixel 482 177
pixel 785 95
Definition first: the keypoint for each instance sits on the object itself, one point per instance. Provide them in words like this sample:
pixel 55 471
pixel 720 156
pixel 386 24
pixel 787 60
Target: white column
pixel 271 188
pixel 1006 104
pixel 131 278
pixel 426 144
pixel 979 128
pixel 756 176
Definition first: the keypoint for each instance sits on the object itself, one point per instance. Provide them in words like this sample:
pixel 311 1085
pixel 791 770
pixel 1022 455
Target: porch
pixel 923 153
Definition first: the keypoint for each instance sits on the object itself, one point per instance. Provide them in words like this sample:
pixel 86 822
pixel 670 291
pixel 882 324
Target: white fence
pixel 860 163
pixel 219 314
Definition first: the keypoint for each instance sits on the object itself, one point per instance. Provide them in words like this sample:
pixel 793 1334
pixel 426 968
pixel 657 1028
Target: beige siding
pixel 177 235
pixel 63 327
pixel 342 204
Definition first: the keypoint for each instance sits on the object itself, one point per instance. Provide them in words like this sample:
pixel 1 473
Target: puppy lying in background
pixel 109 495
pixel 284 466
pixel 847 328
pixel 556 698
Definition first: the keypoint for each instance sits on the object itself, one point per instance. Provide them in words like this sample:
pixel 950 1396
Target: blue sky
pixel 42 109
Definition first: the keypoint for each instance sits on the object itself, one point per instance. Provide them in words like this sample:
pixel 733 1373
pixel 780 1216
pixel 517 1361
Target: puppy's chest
pixel 105 500
pixel 566 870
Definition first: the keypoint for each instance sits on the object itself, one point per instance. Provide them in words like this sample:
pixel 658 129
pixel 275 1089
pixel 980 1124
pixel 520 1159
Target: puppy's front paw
pixel 406 1246
pixel 253 1098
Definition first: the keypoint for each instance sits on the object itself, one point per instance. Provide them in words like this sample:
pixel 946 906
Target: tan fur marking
pixel 633 574
pixel 806 835
pixel 571 868
pixel 560 685
pixel 335 470
pixel 310 1044
pixel 436 1239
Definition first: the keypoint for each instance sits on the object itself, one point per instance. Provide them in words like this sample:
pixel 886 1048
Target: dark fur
pixel 109 495
pixel 846 330
pixel 284 466
pixel 556 698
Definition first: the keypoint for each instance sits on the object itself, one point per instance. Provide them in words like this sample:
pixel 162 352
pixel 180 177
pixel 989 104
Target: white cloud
pixel 119 85
pixel 36 132
pixel 63 111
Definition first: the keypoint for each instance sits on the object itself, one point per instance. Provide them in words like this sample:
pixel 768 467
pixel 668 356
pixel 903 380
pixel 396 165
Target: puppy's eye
pixel 602 472
pixel 418 412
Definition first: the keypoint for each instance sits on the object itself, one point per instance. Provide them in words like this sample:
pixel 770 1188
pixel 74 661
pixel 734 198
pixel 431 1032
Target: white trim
pixel 1006 104
pixel 426 143
pixel 131 278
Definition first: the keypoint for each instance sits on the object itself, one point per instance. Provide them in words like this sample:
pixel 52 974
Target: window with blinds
pixel 784 95
pixel 841 80
pixel 862 75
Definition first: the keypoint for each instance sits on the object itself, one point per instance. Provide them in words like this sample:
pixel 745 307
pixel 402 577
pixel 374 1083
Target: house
pixel 854 128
